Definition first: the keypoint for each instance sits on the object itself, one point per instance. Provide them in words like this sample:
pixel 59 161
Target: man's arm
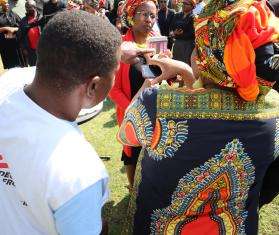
pixel 82 214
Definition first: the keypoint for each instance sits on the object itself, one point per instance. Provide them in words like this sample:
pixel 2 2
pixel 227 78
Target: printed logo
pixel 5 175
pixel 3 164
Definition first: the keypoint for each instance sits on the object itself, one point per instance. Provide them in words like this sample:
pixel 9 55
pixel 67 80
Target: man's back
pixel 53 181
pixel 44 162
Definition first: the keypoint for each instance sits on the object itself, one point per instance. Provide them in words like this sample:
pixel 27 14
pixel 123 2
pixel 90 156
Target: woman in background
pixel 28 37
pixel 9 49
pixel 182 29
pixel 141 16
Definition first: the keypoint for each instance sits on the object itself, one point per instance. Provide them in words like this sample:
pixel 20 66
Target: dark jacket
pixel 186 23
pixel 50 9
pixel 9 47
pixel 164 21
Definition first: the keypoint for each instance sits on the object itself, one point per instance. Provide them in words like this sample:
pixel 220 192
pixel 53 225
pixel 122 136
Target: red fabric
pixel 202 225
pixel 120 93
pixel 255 28
pixel 33 34
pixel 102 3
pixel 131 134
pixel 259 24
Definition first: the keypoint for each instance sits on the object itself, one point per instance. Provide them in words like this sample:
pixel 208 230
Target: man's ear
pixel 92 84
pixel 90 96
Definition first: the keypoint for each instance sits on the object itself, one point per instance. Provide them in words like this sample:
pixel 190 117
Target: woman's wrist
pixel 186 74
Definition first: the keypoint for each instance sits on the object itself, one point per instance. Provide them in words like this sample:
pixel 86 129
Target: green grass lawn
pixel 101 132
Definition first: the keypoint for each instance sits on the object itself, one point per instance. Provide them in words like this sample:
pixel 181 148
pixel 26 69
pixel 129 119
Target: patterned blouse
pixel 204 159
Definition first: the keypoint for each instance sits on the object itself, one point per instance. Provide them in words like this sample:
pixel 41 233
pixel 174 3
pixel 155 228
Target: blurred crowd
pixel 19 36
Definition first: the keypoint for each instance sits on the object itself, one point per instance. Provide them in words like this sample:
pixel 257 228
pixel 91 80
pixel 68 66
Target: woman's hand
pixel 130 53
pixel 166 54
pixel 9 32
pixel 171 68
pixel 178 32
pixel 274 62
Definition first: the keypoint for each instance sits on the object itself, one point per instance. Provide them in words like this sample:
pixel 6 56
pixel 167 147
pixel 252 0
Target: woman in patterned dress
pixel 206 150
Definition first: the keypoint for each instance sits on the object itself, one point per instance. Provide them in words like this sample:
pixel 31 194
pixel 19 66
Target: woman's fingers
pixel 158 79
pixel 156 60
pixel 130 52
pixel 168 53
pixel 146 51
pixel 274 62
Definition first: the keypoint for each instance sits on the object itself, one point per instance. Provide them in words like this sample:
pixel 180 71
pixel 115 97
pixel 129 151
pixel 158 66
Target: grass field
pixel 101 132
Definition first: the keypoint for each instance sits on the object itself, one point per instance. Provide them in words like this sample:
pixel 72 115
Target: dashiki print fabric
pixel 204 158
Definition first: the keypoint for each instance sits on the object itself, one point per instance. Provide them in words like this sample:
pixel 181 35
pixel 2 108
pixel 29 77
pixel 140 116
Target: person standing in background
pixel 50 8
pixel 28 37
pixel 182 29
pixel 118 21
pixel 74 5
pixel 165 17
pixel 174 4
pixel 270 187
pixel 141 16
pixel 9 49
pixel 93 7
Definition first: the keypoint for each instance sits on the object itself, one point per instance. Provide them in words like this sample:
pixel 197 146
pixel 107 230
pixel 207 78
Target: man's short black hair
pixel 74 46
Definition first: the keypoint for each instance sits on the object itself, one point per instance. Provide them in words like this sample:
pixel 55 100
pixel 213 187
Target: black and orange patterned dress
pixel 204 158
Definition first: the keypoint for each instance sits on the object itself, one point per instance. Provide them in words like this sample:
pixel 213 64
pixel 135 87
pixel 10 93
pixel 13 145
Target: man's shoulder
pixel 72 146
pixel 13 81
pixel 72 166
pixel 73 155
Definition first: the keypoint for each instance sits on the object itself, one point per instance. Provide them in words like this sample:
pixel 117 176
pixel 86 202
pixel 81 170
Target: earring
pixel 131 21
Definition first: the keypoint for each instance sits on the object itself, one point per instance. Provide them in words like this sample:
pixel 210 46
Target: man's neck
pixel 58 105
